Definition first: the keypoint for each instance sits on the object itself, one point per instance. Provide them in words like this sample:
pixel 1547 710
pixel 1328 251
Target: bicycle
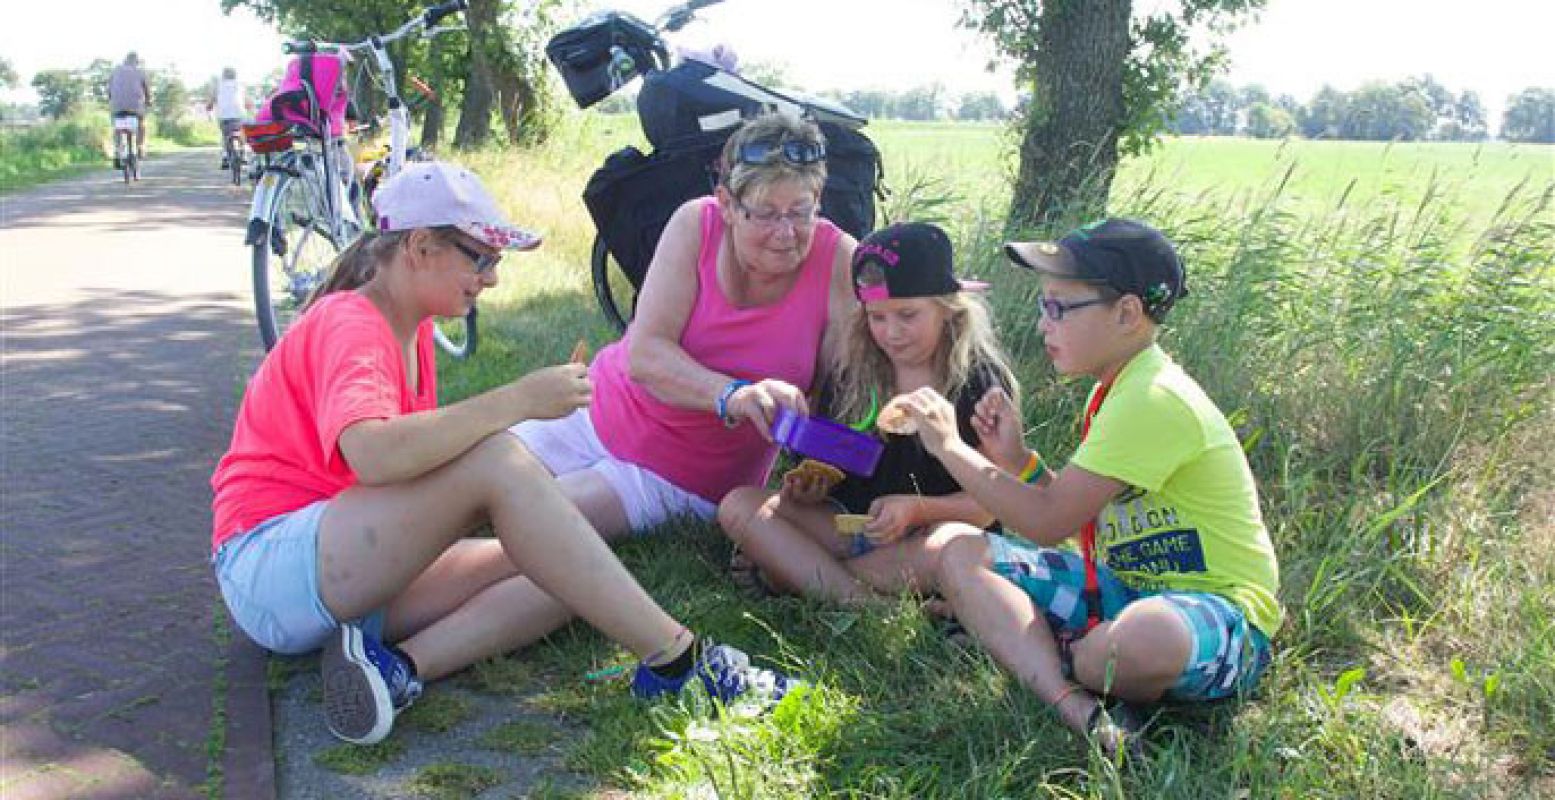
pixel 687 110
pixel 125 154
pixel 234 151
pixel 309 203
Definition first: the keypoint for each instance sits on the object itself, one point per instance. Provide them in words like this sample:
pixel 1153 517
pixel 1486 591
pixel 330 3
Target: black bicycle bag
pixel 694 97
pixel 582 54
pixel 632 196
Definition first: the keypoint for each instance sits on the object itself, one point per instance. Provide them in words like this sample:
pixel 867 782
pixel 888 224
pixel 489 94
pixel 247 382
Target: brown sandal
pixel 748 576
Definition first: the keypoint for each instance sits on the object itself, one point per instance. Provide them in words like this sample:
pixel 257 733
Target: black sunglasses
pixel 484 262
pixel 794 152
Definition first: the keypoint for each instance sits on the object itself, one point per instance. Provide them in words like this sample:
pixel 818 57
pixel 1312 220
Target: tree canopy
pixel 498 67
pixel 1530 117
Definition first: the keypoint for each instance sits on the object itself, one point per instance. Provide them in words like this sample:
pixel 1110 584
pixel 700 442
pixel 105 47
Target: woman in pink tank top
pixel 741 302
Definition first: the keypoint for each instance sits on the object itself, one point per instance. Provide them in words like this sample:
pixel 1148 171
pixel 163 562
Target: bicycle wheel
pixel 235 161
pixel 457 336
pixel 293 260
pixel 612 289
pixel 127 163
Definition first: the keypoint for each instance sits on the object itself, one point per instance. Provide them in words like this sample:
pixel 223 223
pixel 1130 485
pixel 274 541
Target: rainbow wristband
pixel 1034 468
pixel 722 406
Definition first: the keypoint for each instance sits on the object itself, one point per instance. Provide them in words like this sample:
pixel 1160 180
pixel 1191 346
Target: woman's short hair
pixel 742 177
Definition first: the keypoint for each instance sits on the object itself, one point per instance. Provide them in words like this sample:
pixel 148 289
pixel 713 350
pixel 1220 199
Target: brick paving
pixel 124 333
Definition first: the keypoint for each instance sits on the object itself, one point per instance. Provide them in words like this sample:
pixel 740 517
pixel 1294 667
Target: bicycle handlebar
pixel 679 16
pixel 436 13
pixel 422 22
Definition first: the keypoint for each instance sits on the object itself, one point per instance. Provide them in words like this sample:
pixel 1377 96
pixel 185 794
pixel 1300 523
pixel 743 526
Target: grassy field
pixel 78 143
pixel 1378 321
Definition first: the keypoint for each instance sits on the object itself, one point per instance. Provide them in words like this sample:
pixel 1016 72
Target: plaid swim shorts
pixel 1228 653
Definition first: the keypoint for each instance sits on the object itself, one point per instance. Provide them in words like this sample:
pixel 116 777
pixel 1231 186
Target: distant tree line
pixel 920 103
pixel 1417 109
pixel 927 102
pixel 63 91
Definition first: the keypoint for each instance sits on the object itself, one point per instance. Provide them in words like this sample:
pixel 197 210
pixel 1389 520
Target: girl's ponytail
pixel 357 264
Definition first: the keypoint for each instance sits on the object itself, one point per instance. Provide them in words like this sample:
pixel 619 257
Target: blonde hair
pixel 777 127
pixel 359 262
pixel 864 374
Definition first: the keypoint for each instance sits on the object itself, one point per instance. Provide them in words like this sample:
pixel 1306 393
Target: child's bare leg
pixel 785 540
pixel 374 541
pixel 1004 620
pixel 911 564
pixel 471 604
pixel 1147 645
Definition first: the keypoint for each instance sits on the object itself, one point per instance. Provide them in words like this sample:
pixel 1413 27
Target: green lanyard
pixel 869 419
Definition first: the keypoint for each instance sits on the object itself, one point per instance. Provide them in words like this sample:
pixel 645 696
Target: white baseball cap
pixel 427 194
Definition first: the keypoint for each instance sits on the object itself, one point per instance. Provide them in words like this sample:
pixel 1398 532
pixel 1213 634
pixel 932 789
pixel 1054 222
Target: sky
pixel 1494 47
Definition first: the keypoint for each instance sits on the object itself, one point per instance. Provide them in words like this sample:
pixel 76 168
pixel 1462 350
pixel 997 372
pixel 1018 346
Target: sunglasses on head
pixel 484 262
pixel 795 152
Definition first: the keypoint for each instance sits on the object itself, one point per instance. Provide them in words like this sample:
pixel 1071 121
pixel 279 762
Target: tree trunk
pixel 517 99
pixel 436 115
pixel 432 126
pixel 479 93
pixel 1069 150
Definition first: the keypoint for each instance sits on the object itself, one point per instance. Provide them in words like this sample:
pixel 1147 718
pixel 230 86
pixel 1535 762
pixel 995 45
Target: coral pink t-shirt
pixel 338 365
pixel 691 448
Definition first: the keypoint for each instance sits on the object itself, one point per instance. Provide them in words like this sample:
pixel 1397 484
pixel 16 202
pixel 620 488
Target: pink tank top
pixel 690 448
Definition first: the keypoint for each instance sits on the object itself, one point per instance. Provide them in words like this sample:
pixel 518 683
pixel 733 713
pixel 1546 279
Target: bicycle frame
pixel 331 190
pixel 424 25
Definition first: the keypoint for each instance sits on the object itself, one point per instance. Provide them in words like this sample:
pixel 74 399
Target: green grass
pixel 520 737
pixel 438 713
pixel 79 143
pixel 1384 348
pixel 357 759
pixel 453 781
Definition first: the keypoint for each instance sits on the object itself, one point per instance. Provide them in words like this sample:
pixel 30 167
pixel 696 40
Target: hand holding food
pixel 894 419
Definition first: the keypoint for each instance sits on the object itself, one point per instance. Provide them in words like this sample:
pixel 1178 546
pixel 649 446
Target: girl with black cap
pixel 917 326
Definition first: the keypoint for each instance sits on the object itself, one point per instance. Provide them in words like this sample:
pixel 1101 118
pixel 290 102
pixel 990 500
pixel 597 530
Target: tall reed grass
pixel 1389 367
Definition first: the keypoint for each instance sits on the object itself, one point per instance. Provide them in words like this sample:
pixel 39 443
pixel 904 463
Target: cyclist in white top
pixel 129 93
pixel 230 106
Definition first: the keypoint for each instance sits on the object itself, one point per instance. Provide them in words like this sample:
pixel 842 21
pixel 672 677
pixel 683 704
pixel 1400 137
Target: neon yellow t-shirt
pixel 1190 519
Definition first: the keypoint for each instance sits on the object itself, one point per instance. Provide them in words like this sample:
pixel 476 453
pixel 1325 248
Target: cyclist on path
pixel 230 106
pixel 129 92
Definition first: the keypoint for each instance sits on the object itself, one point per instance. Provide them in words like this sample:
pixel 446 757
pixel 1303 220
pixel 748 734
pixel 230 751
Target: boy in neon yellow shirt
pixel 1172 592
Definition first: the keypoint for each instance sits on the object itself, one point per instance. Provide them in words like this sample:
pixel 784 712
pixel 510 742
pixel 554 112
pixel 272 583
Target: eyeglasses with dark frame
pixel 772 219
pixel 484 262
pixel 1056 309
pixel 796 152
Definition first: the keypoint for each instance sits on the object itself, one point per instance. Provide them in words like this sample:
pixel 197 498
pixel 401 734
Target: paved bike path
pixel 124 333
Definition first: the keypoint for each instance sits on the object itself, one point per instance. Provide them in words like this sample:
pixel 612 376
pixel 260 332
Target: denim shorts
pixel 269 578
pixel 1227 653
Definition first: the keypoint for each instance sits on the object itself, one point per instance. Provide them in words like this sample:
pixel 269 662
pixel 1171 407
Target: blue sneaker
pixel 726 673
pixel 365 685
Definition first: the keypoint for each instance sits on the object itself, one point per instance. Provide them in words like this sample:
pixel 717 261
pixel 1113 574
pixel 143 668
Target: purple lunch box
pixel 824 440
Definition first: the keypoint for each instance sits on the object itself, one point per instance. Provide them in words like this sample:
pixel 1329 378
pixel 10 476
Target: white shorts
pixel 570 444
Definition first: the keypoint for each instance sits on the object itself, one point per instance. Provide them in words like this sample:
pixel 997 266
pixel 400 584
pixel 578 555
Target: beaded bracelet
pixel 1034 468
pixel 722 406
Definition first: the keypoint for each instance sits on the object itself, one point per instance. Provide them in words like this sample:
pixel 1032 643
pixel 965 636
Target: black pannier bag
pixel 688 112
pixel 695 97
pixel 633 195
pixel 582 54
